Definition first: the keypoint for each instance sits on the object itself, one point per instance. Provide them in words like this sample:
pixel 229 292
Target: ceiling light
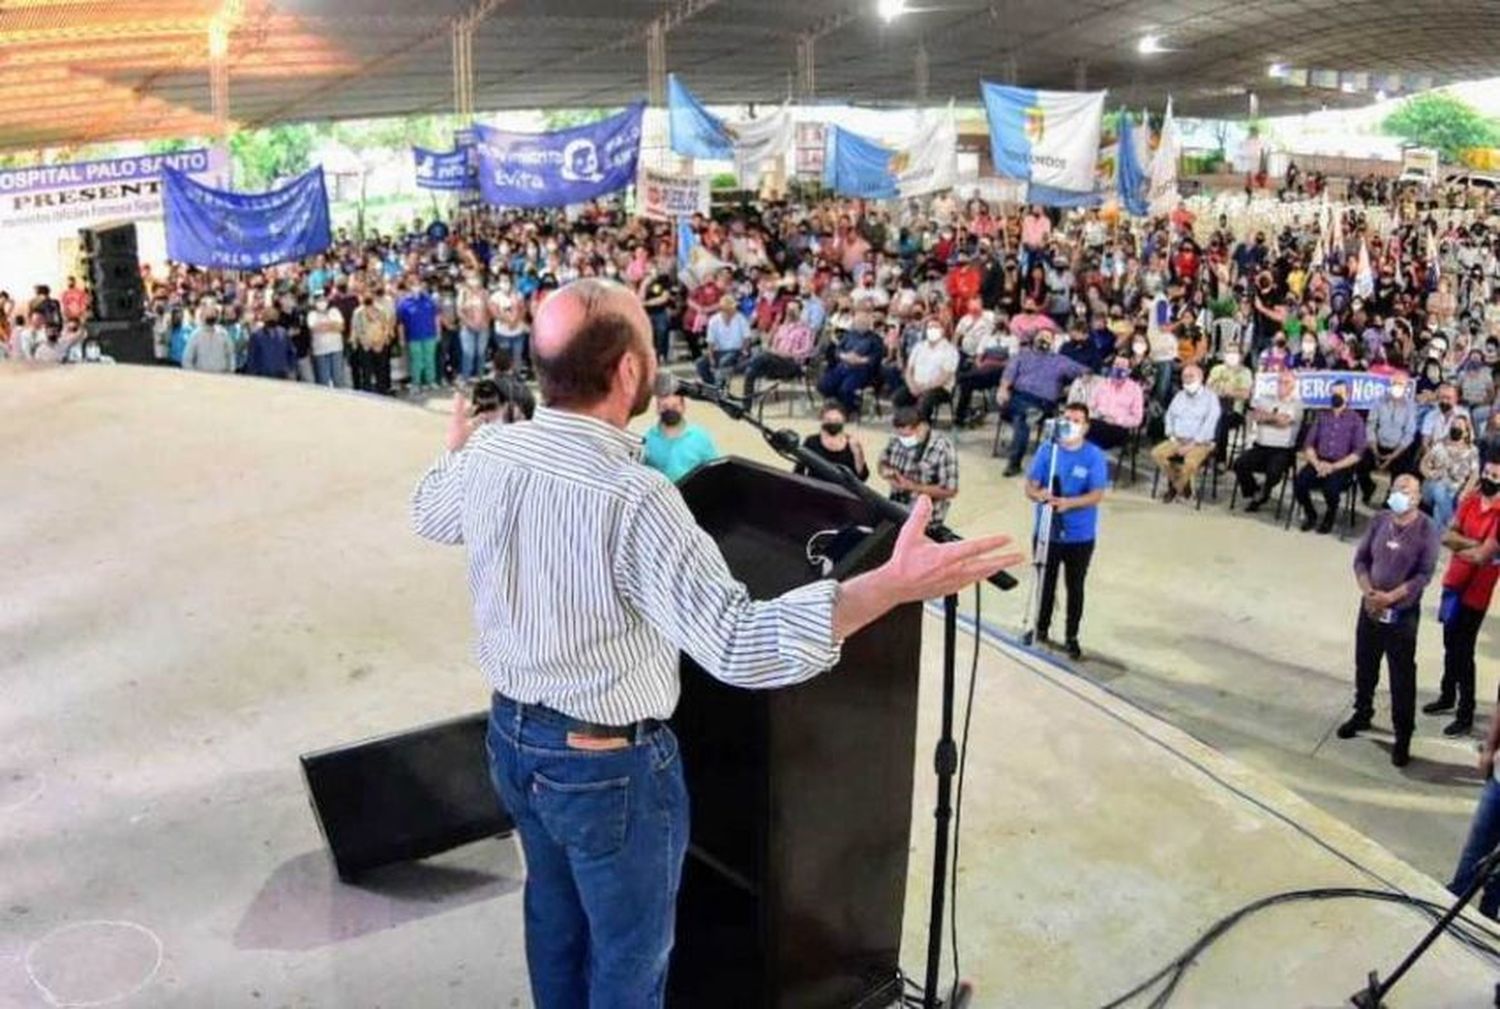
pixel 890 10
pixel 1276 70
pixel 1149 44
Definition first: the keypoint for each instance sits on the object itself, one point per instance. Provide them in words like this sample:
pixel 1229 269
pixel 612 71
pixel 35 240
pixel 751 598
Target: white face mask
pixel 910 440
pixel 934 334
pixel 1232 360
pixel 1191 388
pixel 1139 348
pixel 1398 392
pixel 1309 348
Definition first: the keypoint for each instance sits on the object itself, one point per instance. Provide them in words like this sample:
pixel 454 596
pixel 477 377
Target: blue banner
pixel 244 231
pixel 1315 388
pixel 451 170
pixel 696 132
pixel 857 166
pixel 1131 180
pixel 559 168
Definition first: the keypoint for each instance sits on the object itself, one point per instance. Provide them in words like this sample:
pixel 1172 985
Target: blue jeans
pixel 328 369
pixel 471 343
pixel 514 346
pixel 605 833
pixel 1484 834
pixel 715 366
pixel 843 382
pixel 1441 496
pixel 1018 411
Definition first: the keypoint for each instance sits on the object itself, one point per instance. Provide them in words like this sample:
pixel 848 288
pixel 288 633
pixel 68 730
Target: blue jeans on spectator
pixel 844 381
pixel 515 346
pixel 1484 834
pixel 328 369
pixel 1018 411
pixel 1441 496
pixel 715 366
pixel 661 333
pixel 605 833
pixel 471 342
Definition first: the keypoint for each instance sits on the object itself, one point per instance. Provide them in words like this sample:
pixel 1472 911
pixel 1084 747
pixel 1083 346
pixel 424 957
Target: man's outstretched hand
pixel 919 568
pixel 460 424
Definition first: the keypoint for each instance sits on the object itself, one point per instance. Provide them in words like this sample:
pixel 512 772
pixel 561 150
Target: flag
pixel 858 166
pixel 758 141
pixel 1364 277
pixel 561 167
pixel 1163 192
pixel 1049 138
pixel 238 231
pixel 929 162
pixel 687 241
pixel 695 132
pixel 1130 176
pixel 1432 257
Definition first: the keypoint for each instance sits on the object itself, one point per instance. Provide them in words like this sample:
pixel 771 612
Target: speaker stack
pixel 112 269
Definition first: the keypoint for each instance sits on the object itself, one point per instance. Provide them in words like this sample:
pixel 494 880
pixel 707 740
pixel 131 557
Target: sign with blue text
pixel 1316 387
pixel 449 170
pixel 561 167
pixel 103 190
pixel 245 231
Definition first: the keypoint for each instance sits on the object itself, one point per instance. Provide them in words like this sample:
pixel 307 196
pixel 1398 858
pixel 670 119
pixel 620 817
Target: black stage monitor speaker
pixel 127 341
pixel 109 241
pixel 404 796
pixel 795 882
pixel 113 272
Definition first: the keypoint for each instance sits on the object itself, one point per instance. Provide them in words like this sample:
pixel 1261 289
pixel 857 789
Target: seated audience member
pixel 1079 347
pixel 931 367
pixel 982 370
pixel 835 442
pixel 856 360
pixel 1309 356
pixel 1489 441
pixel 1440 417
pixel 1275 419
pixel 1447 469
pixel 1033 382
pixel 917 461
pixel 786 354
pixel 1232 381
pixel 1117 406
pixel 1391 445
pixel 1029 323
pixel 728 342
pixel 1476 387
pixel 673 446
pixel 1335 444
pixel 1192 422
pixel 973 328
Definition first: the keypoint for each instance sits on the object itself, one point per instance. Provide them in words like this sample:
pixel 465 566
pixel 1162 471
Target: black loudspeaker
pixel 128 341
pixel 113 272
pixel 405 796
pixel 795 881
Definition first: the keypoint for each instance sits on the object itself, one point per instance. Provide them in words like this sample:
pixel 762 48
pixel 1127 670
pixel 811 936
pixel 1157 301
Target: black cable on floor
pixel 958 802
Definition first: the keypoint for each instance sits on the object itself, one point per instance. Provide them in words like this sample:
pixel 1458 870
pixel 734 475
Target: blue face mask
pixel 1069 431
pixel 1398 502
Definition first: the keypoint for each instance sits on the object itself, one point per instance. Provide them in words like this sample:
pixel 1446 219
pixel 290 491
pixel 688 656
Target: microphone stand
pixel 787 444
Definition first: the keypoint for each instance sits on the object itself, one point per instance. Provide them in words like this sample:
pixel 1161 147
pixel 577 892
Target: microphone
pixel 670 385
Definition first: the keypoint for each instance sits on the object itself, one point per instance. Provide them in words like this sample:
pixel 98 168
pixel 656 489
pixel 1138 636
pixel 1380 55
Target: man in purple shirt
pixel 1034 380
pixel 1393 564
pixel 1334 446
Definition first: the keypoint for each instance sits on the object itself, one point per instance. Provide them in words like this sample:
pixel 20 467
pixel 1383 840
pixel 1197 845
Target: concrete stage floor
pixel 207 576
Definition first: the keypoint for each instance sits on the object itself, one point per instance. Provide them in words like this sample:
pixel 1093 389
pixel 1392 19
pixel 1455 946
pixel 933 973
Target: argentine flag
pixel 1049 138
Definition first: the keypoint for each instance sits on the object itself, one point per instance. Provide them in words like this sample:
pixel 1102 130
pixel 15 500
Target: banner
pixel 1130 175
pixel 447 170
pixel 1050 138
pixel 245 231
pixel 1316 387
pixel 811 151
pixel 858 166
pixel 84 191
pixel 695 132
pixel 662 196
pixel 759 141
pixel 929 163
pixel 562 167
pixel 1163 194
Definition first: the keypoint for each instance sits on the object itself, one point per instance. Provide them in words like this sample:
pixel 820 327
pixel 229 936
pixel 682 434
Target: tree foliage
pixel 263 156
pixel 1443 122
pixel 561 119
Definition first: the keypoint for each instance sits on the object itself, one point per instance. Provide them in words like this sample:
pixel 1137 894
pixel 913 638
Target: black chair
pixel 802 380
pixel 1347 506
pixel 1202 481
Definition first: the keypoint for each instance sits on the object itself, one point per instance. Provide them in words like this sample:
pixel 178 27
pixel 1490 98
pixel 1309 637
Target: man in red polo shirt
pixel 75 301
pixel 1468 585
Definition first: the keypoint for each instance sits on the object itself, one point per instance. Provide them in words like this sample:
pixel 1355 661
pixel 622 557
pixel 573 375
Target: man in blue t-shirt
pixel 1073 488
pixel 417 324
pixel 674 446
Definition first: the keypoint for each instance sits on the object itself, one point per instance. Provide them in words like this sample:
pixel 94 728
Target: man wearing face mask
pixel 1117 406
pixel 1033 382
pixel 1070 474
pixel 1390 436
pixel 1437 423
pixel 1468 585
pixel 1191 424
pixel 1334 446
pixel 673 446
pixel 1232 381
pixel 581 622
pixel 1393 563
pixel 919 462
pixel 931 368
pixel 325 324
pixel 1277 419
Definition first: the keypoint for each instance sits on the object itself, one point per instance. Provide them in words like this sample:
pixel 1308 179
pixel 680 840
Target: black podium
pixel 795 882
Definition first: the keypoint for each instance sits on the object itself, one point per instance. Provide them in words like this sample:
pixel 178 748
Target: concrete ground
pixel 208 576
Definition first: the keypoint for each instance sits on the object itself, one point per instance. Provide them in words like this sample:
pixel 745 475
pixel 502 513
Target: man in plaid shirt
pixel 918 460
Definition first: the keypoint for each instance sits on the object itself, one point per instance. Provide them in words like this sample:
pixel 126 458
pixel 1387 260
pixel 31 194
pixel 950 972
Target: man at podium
pixel 588 576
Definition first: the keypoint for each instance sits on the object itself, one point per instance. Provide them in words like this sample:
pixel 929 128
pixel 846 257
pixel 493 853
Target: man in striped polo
pixel 589 576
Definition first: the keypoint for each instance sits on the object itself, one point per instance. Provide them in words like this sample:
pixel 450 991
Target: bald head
pixel 592 346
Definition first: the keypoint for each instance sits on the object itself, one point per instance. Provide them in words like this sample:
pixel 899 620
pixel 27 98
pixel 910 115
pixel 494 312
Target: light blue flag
pixel 1131 180
pixel 1048 138
pixel 687 241
pixel 1063 198
pixel 695 132
pixel 857 166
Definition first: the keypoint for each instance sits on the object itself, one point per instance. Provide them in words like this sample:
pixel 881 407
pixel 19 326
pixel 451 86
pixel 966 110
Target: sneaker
pixel 1438 707
pixel 1326 526
pixel 1011 469
pixel 1401 752
pixel 1169 495
pixel 1309 520
pixel 1074 652
pixel 1353 727
pixel 1459 726
pixel 1256 504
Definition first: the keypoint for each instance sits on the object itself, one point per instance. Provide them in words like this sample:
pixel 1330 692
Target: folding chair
pixel 1202 479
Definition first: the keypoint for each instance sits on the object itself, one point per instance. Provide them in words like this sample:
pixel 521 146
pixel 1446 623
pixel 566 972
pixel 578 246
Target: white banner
pixel 1163 192
pixel 757 141
pixel 662 196
pixel 929 164
pixel 111 189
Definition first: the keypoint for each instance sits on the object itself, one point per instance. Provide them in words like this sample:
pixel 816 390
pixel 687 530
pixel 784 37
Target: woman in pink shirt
pixel 1116 406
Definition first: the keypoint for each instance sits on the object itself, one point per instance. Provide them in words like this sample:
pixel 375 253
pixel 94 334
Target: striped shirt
pixel 588 575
